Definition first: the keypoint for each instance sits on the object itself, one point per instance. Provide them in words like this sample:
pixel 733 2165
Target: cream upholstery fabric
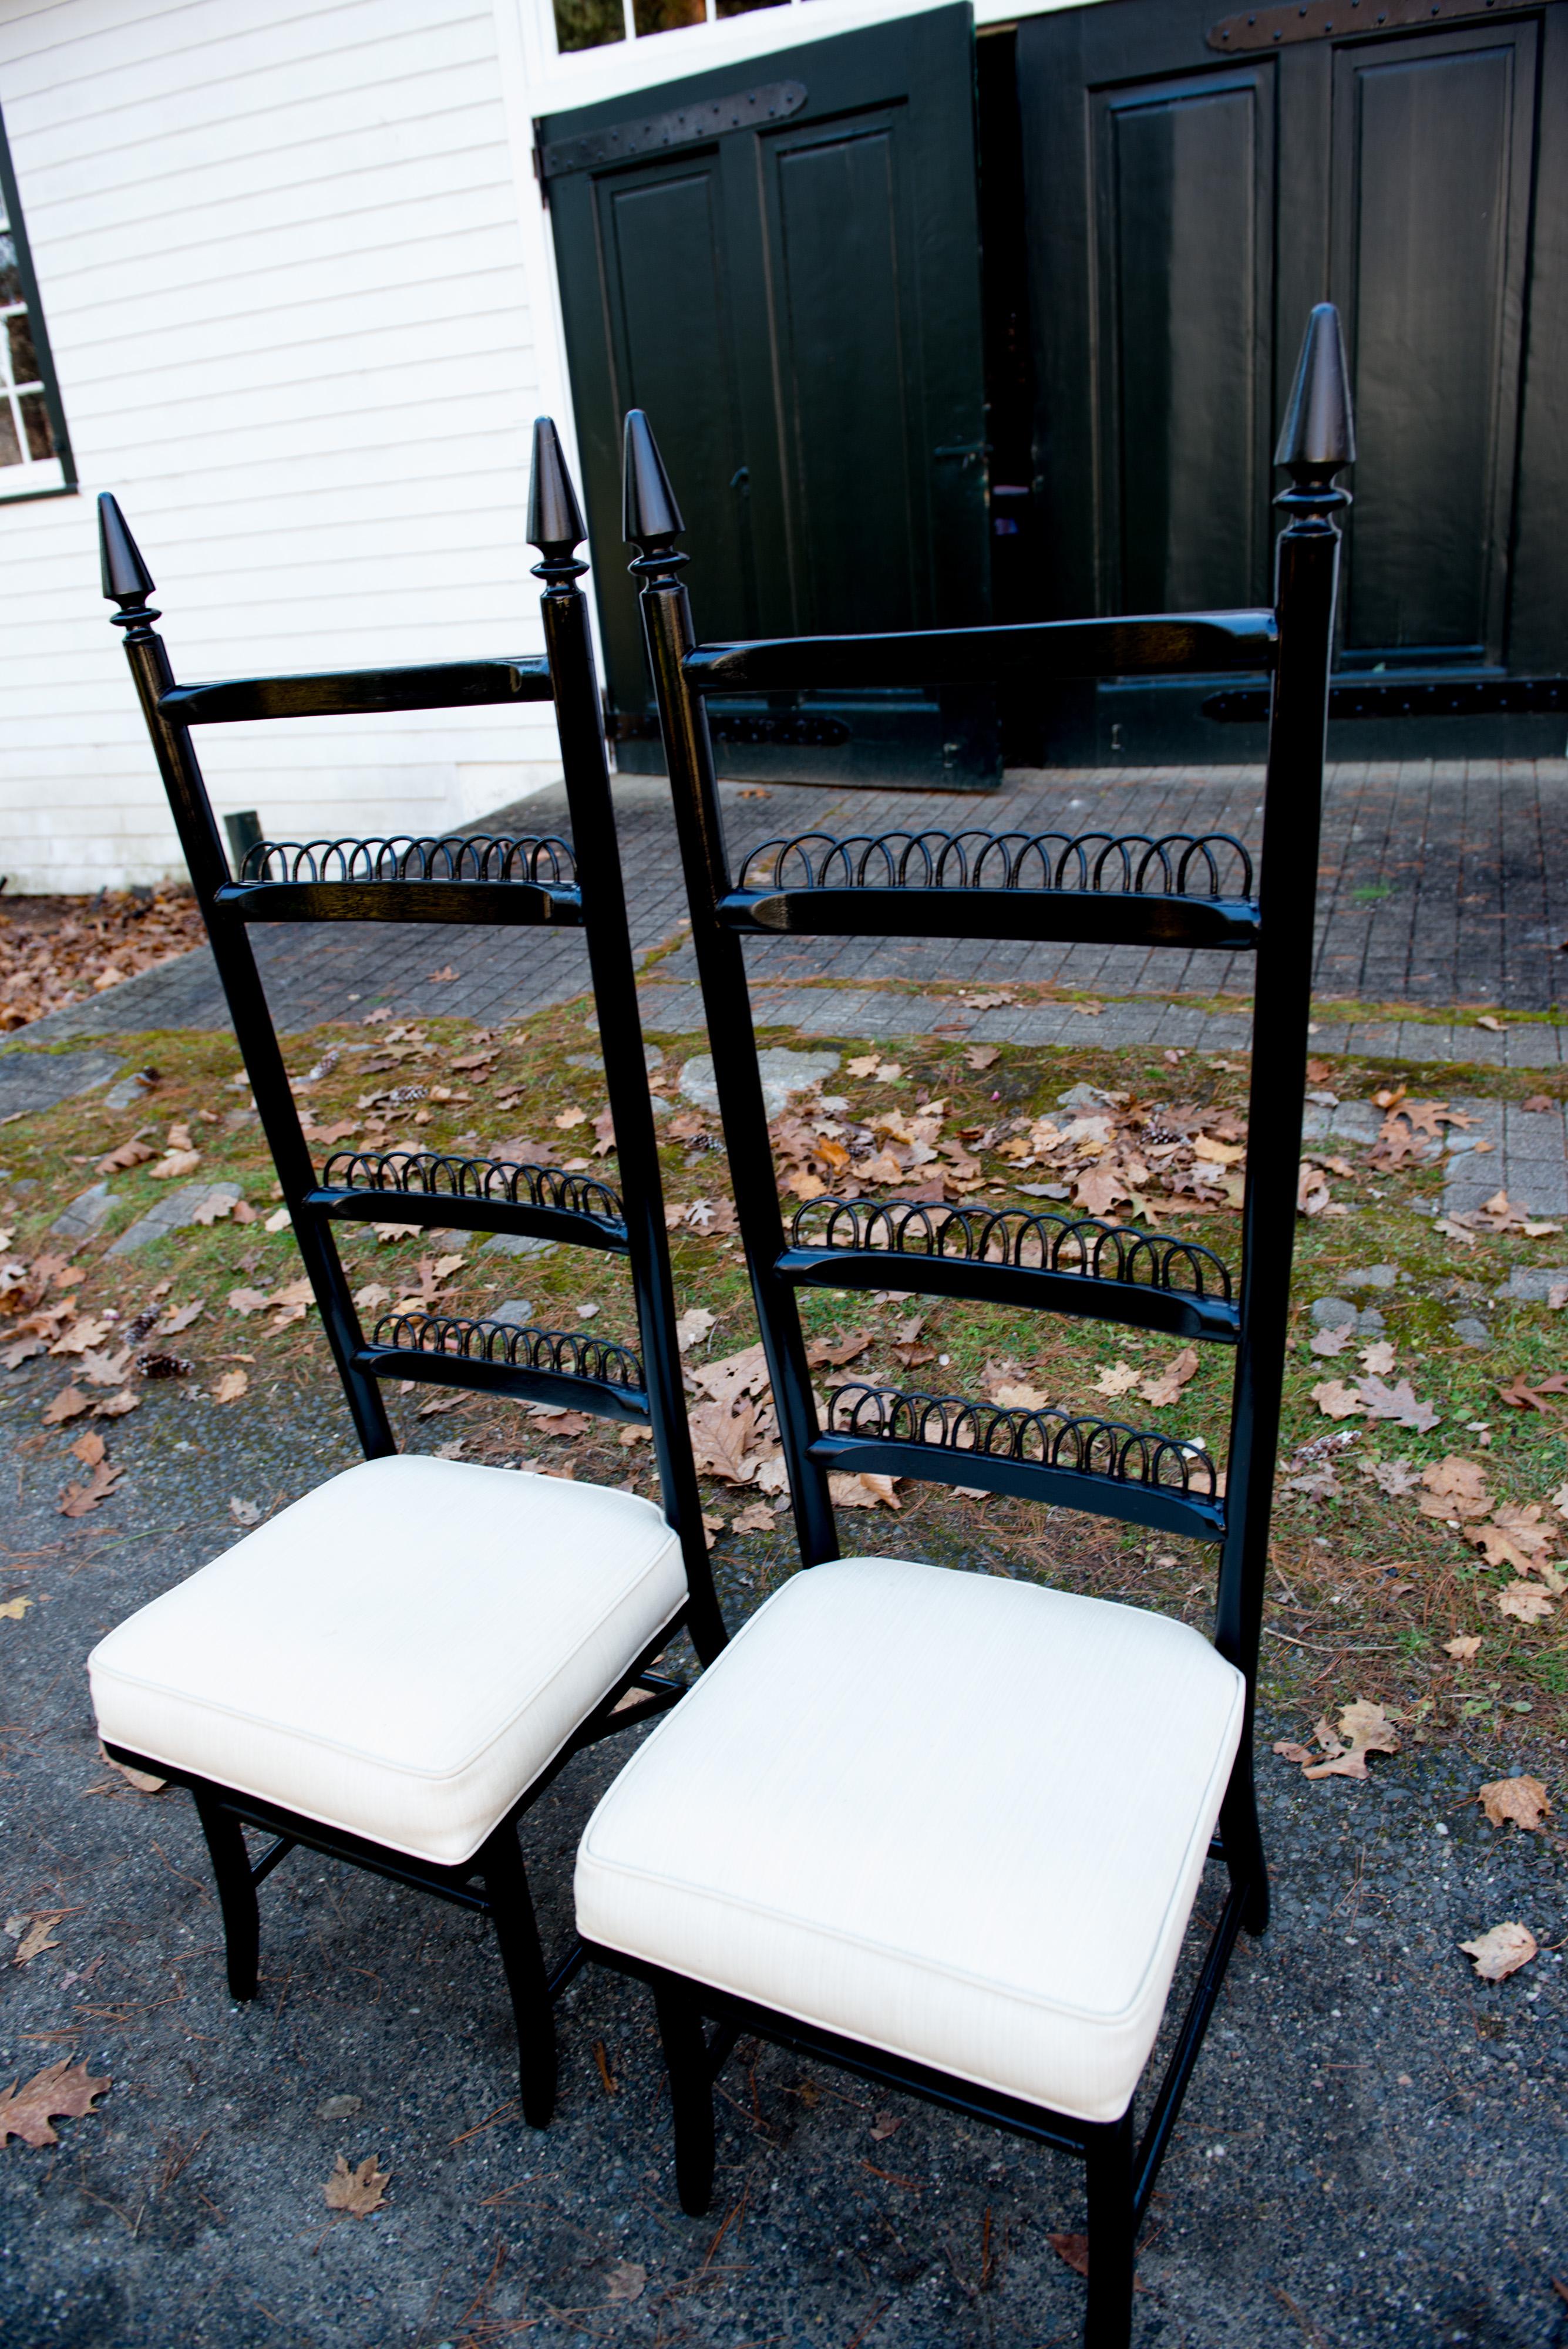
pixel 956 1817
pixel 400 1653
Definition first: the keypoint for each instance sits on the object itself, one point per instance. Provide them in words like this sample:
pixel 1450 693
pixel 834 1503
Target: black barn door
pixel 781 263
pixel 1197 180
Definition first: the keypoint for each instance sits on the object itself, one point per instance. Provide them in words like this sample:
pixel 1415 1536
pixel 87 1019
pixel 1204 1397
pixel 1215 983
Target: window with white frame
pixel 590 24
pixel 35 452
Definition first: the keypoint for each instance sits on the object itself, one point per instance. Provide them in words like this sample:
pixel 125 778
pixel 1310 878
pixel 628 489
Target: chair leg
pixel 1243 1841
pixel 1113 2225
pixel 518 1933
pixel 692 2098
pixel 236 1894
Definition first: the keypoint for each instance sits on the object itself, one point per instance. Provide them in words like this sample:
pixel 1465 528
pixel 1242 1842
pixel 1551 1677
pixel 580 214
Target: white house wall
pixel 299 287
pixel 283 259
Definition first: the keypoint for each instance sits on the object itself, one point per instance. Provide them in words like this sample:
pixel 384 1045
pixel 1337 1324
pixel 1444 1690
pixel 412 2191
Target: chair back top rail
pixel 357 692
pixel 1159 889
pixel 467 879
pixel 1164 644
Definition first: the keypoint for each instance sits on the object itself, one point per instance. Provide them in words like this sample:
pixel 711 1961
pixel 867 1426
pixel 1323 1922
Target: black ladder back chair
pixel 919 1942
pixel 411 1748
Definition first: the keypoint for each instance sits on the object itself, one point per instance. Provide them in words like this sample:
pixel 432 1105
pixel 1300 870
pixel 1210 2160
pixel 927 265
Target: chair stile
pixel 527 883
pixel 1180 892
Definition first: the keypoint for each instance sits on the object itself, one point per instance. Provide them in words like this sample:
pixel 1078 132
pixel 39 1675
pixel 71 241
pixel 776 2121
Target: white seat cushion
pixel 955 1818
pixel 402 1652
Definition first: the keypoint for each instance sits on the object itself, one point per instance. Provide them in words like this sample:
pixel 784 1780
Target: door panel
pixel 1187 208
pixel 1184 176
pixel 795 301
pixel 1431 193
pixel 663 259
pixel 834 234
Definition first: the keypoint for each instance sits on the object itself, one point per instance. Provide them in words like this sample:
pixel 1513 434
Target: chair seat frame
pixel 530 883
pixel 932 884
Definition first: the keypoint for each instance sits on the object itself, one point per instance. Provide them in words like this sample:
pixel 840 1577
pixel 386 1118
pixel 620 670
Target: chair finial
pixel 651 519
pixel 1318 436
pixel 127 581
pixel 555 524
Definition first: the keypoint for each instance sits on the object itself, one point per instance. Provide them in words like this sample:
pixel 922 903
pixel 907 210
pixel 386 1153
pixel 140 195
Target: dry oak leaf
pixel 693 1326
pixel 231 1387
pixel 1073 2249
pixel 1525 1601
pixel 569 1117
pixel 89 1448
pixel 721 1436
pixel 979 1056
pixel 1396 1477
pixel 1502 1951
pixel 733 1375
pixel 1379 1357
pixel 1098 1189
pixel 1363 1729
pixel 1462 1645
pixel 77 1499
pixel 1524 1800
pixel 1116 1378
pixel 60 2091
pixel 66 1404
pixel 40 1935
pixel 823 1353
pixel 14 1608
pixel 1326 1343
pixel 1457 1488
pixel 1011 1394
pixel 757 1519
pixel 866 1065
pixel 1498 1549
pixel 1396 1402
pixel 250 1301
pixel 1336 1401
pixel 129 1153
pixel 626 2281
pixel 180 1318
pixel 1166 1386
pixel 868 1492
pixel 175 1162
pixel 1524 1393
pixel 357 2192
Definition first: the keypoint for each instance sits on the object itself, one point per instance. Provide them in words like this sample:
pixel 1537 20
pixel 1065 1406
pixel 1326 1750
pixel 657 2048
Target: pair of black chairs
pixel 944 1829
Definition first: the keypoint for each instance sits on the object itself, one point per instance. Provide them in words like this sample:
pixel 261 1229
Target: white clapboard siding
pixel 287 289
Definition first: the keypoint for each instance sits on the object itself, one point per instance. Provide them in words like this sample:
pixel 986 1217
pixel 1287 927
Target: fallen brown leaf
pixel 868 1492
pixel 1165 1388
pixel 1397 1403
pixel 693 1326
pixel 77 1499
pixel 1524 1800
pixel 1462 1645
pixel 231 1386
pixel 1500 1951
pixel 1336 1401
pixel 1363 1729
pixel 1524 1393
pixel 61 2091
pixel 68 1404
pixel 1526 1602
pixel 357 2192
pixel 828 1352
pixel 39 1936
pixel 626 2281
pixel 1073 2249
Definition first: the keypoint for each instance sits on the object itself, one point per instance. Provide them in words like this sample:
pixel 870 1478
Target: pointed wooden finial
pixel 125 576
pixel 651 519
pixel 555 524
pixel 1318 436
pixel 127 581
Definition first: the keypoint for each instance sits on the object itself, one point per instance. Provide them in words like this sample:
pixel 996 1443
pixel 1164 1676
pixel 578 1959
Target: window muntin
pixel 592 23
pixel 35 452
